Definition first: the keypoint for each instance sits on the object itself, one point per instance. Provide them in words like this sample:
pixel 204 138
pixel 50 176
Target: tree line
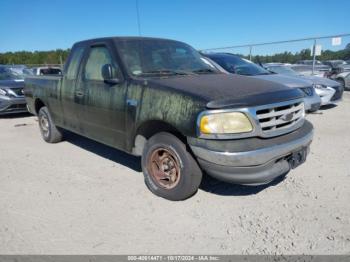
pixel 59 56
pixel 305 54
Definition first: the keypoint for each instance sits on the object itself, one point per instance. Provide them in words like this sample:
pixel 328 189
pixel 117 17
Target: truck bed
pixel 41 86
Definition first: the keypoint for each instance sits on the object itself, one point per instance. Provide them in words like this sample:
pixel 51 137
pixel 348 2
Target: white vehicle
pixel 344 80
pixel 46 70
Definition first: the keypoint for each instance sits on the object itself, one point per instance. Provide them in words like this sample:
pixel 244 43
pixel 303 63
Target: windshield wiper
pixel 165 72
pixel 267 73
pixel 204 71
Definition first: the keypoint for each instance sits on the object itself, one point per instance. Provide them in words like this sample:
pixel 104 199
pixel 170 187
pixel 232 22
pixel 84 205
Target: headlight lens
pixel 225 123
pixel 320 86
pixel 3 92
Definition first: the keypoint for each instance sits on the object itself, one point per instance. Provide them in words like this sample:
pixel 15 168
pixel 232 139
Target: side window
pixel 98 57
pixel 74 63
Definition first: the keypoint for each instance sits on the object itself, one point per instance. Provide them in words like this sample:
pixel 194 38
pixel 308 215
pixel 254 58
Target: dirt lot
pixel 80 197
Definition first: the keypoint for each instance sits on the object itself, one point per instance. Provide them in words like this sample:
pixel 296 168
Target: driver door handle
pixel 79 93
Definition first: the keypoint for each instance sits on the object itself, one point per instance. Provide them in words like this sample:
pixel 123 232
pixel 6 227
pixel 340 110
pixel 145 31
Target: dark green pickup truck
pixel 159 99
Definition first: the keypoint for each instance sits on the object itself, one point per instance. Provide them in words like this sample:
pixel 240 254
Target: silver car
pixel 344 80
pixel 329 91
pixel 11 92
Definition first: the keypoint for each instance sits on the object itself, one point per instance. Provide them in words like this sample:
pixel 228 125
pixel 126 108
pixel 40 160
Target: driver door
pixel 102 105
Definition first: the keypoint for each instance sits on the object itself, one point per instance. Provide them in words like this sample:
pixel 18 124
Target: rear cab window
pixel 74 62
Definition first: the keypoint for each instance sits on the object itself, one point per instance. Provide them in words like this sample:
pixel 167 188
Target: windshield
pixel 282 70
pixel 240 66
pixel 161 57
pixel 7 74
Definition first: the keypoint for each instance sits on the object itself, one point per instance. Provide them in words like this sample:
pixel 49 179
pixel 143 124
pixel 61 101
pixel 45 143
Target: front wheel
pixel 48 130
pixel 170 170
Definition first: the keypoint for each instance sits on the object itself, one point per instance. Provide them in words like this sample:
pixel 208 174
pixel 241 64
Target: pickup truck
pixel 159 99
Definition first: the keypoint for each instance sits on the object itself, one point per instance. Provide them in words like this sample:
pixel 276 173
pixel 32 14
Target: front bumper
pixel 312 103
pixel 9 105
pixel 325 94
pixel 338 95
pixel 251 160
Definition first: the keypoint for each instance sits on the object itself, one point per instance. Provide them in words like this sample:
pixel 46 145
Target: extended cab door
pixel 101 104
pixel 68 89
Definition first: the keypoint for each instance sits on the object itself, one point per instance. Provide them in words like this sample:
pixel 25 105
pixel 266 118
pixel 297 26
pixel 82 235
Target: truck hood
pixel 7 84
pixel 321 80
pixel 223 90
pixel 290 81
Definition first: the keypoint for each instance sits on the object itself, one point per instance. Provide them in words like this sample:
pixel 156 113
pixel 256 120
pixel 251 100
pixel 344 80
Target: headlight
pixel 3 92
pixel 320 87
pixel 225 123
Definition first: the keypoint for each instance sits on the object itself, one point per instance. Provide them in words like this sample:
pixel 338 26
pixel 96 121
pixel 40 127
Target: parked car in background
pixel 234 64
pixel 344 80
pixel 309 62
pixel 157 99
pixel 334 63
pixel 11 92
pixel 328 90
pixel 319 70
pixel 337 67
pixel 21 70
pixel 46 70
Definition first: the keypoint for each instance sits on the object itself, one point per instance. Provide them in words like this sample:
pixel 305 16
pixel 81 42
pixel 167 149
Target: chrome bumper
pixel 256 161
pixel 252 158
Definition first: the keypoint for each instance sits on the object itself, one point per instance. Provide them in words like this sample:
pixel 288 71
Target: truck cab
pixel 156 98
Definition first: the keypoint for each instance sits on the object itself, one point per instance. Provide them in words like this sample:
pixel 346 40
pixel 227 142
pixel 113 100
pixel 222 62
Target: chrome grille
pixel 280 118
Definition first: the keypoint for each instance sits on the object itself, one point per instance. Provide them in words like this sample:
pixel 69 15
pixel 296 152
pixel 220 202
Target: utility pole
pixel 61 62
pixel 250 53
pixel 314 57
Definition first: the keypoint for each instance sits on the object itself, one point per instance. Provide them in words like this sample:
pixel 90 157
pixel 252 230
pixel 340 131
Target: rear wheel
pixel 170 170
pixel 48 130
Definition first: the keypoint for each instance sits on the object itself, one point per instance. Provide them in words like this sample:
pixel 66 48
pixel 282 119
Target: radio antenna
pixel 138 17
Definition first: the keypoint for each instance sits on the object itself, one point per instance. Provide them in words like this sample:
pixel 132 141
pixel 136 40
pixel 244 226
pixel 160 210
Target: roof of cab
pixel 121 38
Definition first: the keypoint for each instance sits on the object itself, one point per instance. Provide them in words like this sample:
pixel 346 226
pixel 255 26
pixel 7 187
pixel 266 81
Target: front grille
pixel 280 117
pixel 15 108
pixel 309 91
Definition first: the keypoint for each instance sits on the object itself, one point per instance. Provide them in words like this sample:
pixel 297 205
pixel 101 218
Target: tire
pixel 164 152
pixel 48 130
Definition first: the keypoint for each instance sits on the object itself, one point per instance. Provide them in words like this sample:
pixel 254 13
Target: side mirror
pixel 107 74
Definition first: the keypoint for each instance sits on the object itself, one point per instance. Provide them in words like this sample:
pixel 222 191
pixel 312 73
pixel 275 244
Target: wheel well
pixel 149 129
pixel 37 105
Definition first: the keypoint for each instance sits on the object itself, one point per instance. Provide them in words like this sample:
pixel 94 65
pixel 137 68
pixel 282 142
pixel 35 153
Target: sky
pixel 46 25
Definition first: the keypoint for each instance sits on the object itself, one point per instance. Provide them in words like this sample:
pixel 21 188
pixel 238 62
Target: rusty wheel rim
pixel 44 124
pixel 163 166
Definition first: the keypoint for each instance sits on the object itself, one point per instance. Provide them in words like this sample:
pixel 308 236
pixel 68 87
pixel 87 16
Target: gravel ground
pixel 80 197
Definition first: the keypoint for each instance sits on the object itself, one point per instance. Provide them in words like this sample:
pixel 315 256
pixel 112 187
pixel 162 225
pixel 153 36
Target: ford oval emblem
pixel 287 117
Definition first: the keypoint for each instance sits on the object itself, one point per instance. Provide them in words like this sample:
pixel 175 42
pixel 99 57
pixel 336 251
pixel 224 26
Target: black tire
pixel 189 175
pixel 48 130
